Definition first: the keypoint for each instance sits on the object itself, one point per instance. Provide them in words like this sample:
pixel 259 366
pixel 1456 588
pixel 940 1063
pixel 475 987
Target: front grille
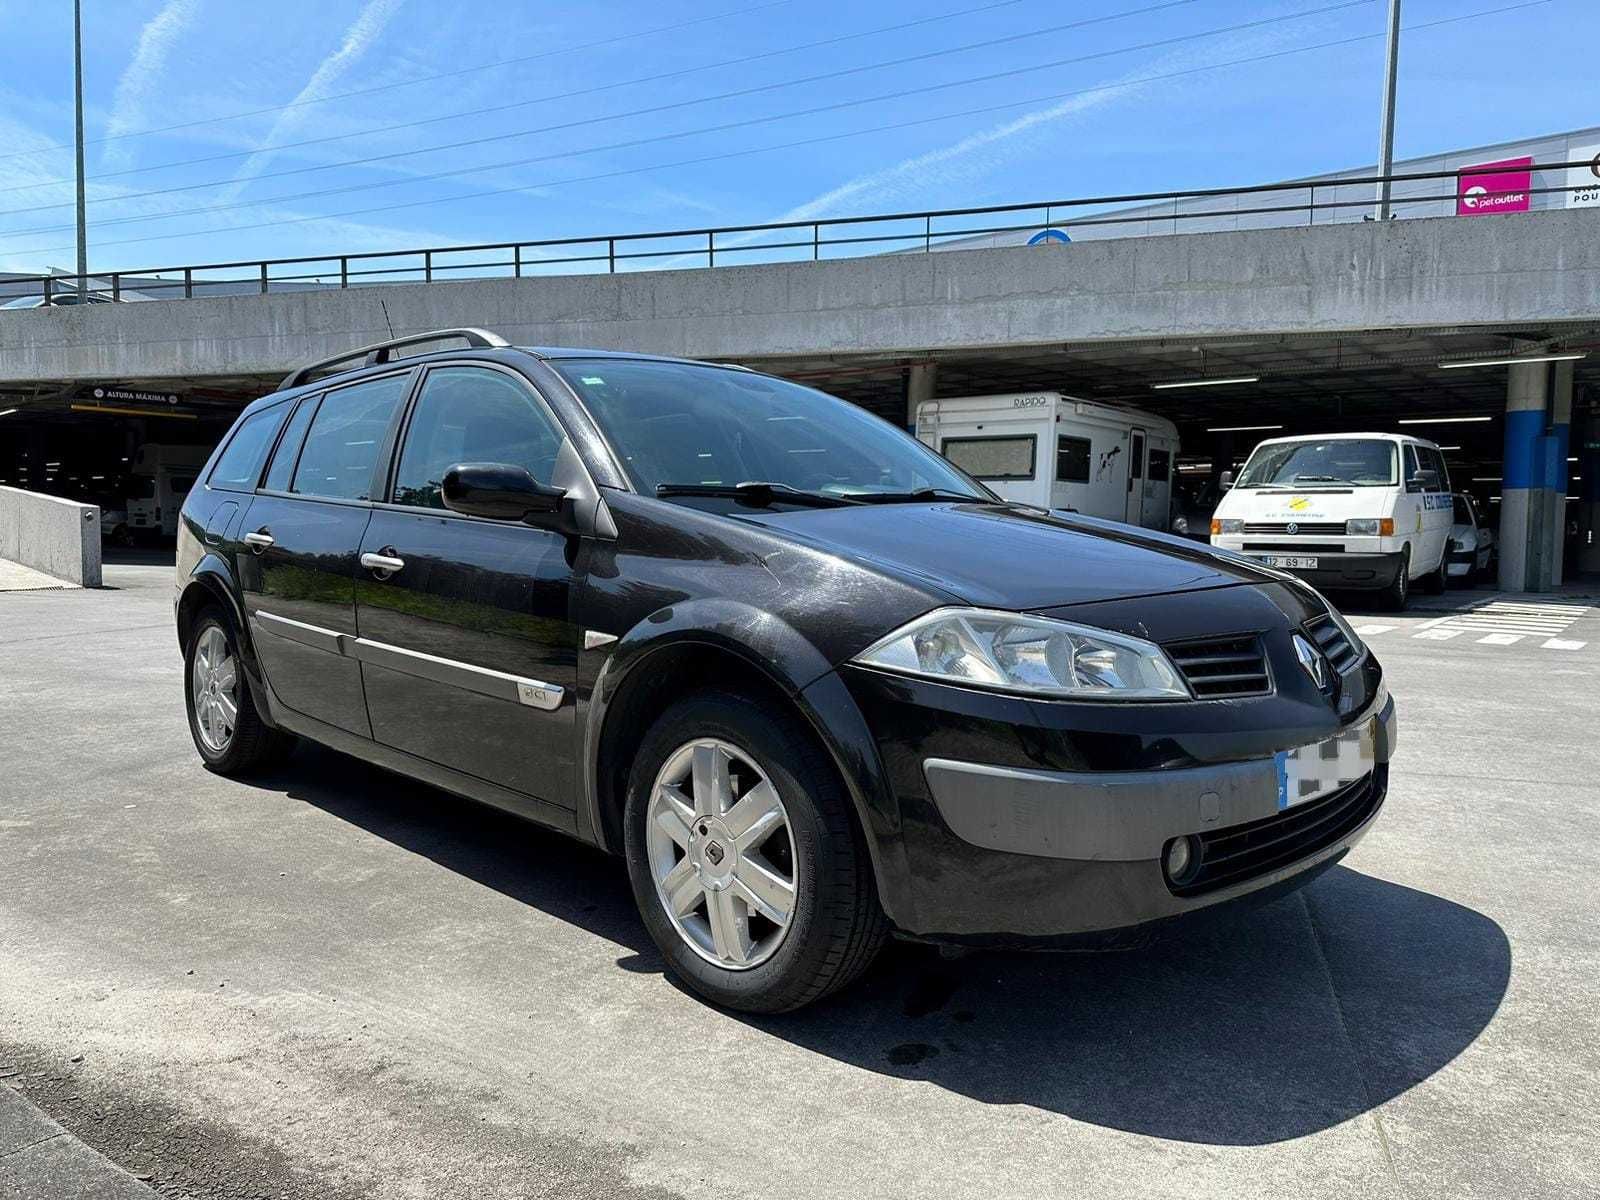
pixel 1335 647
pixel 1220 667
pixel 1322 528
pixel 1245 852
pixel 1298 547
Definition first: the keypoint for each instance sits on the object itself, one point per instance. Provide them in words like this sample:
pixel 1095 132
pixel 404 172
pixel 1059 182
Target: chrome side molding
pixel 498 685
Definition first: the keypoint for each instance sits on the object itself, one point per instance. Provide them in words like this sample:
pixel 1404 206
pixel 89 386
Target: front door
pixel 299 540
pixel 1135 510
pixel 468 650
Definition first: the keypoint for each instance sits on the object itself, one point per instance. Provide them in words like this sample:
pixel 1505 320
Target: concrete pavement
pixel 332 982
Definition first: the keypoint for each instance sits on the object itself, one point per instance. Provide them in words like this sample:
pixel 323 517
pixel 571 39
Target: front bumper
pixel 1021 822
pixel 1105 836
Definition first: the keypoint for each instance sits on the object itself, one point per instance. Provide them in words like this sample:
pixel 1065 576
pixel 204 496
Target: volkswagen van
pixel 1356 511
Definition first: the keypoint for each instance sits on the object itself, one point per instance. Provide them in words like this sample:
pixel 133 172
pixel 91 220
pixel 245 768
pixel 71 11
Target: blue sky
pixel 1160 96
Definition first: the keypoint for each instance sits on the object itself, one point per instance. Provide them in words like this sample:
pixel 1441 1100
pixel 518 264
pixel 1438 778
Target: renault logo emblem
pixel 1291 527
pixel 1311 659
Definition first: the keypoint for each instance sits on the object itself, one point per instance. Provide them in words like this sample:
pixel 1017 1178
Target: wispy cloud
pixel 142 78
pixel 368 26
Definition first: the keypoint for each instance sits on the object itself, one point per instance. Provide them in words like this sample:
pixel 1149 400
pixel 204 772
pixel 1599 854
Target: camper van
pixel 1369 511
pixel 1053 451
pixel 162 477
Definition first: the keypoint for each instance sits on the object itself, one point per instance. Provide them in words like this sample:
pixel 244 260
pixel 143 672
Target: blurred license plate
pixel 1308 772
pixel 1289 562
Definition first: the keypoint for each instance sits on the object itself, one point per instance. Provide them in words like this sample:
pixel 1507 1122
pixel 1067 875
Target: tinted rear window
pixel 240 464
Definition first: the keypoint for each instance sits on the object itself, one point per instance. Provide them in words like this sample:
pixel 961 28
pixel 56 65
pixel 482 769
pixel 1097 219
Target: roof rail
pixel 381 352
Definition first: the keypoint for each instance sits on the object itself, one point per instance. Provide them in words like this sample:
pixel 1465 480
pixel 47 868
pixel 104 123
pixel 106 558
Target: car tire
pixel 1397 595
pixel 686 837
pixel 227 730
pixel 1436 580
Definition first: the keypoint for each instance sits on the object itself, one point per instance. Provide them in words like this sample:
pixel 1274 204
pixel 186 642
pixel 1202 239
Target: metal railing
pixel 1273 205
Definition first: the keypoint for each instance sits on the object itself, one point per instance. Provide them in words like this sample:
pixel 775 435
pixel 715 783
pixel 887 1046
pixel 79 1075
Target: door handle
pixel 385 564
pixel 259 540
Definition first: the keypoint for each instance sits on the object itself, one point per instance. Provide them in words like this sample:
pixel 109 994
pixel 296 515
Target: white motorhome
pixel 1054 451
pixel 162 477
pixel 1344 510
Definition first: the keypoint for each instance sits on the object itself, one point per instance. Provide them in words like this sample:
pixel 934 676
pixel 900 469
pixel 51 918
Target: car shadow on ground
pixel 1270 1025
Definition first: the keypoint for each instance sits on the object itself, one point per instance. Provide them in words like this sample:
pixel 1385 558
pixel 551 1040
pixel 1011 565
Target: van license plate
pixel 1289 562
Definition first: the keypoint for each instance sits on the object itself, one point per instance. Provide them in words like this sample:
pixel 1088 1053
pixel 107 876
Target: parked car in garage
pixel 57 300
pixel 1367 511
pixel 1471 542
pixel 814 683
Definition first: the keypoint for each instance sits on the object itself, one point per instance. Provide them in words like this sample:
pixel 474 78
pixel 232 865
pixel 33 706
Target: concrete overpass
pixel 1343 324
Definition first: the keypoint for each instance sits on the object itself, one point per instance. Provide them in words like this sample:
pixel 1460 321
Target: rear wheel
pixel 1398 594
pixel 228 732
pixel 744 857
pixel 1436 580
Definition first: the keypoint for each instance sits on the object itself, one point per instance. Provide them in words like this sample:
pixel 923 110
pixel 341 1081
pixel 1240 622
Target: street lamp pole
pixel 1386 131
pixel 77 77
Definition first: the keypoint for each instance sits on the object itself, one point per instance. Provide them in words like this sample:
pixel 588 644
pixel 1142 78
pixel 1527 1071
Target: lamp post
pixel 1386 129
pixel 77 81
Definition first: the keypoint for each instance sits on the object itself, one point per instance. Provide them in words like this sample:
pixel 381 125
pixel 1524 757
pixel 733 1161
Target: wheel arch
pixel 210 585
pixel 666 657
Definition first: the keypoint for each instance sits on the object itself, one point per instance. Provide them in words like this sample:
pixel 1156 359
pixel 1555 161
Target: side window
pixel 1072 459
pixel 473 414
pixel 1136 466
pixel 1160 465
pixel 992 457
pixel 283 460
pixel 341 446
pixel 1436 461
pixel 240 464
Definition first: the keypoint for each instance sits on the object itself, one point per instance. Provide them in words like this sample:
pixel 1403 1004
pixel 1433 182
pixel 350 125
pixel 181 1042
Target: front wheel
pixel 1398 594
pixel 745 859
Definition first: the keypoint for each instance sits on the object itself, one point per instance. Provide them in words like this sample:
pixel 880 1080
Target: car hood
pixel 1010 556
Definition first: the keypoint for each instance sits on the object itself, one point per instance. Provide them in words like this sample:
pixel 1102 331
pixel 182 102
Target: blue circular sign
pixel 1048 235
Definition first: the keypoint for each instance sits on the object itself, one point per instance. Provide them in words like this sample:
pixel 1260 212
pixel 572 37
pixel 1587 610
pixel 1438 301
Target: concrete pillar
pixel 920 381
pixel 1557 514
pixel 1588 454
pixel 1522 509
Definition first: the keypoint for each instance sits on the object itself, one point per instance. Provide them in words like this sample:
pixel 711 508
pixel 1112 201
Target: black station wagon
pixel 814 683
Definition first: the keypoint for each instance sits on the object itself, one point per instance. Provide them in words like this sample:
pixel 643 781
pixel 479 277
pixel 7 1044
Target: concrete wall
pixel 58 537
pixel 1402 274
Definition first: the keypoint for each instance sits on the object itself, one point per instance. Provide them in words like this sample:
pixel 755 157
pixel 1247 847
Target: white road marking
pixel 1560 644
pixel 1369 630
pixel 1500 639
pixel 1507 622
pixel 1439 635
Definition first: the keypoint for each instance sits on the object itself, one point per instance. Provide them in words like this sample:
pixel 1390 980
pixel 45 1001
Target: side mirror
pixel 1423 480
pixel 1225 482
pixel 499 491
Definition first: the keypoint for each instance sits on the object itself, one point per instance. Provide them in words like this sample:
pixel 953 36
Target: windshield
pixel 1348 461
pixel 678 424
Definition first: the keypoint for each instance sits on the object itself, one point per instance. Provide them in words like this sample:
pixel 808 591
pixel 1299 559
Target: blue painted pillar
pixel 1560 512
pixel 1523 511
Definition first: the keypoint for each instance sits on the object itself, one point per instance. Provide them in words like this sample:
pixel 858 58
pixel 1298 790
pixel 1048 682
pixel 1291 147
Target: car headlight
pixel 1227 525
pixel 1012 652
pixel 1370 527
pixel 1180 524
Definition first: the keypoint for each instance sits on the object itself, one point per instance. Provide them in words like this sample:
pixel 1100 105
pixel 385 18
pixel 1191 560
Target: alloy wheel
pixel 722 855
pixel 215 684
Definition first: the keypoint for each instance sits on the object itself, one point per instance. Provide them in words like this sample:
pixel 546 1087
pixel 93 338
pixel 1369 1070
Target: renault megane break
pixel 815 684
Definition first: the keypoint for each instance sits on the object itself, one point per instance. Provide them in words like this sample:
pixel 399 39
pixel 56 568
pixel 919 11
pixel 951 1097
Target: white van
pixel 1367 511
pixel 161 478
pixel 1054 451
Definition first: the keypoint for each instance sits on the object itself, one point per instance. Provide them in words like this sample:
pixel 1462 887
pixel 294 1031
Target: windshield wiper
pixel 760 493
pixel 919 496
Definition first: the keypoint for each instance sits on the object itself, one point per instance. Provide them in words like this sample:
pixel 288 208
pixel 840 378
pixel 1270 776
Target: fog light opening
pixel 1181 860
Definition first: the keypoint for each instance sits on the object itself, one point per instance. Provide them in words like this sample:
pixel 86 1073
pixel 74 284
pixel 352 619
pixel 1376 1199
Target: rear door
pixel 468 649
pixel 301 535
pixel 1135 509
